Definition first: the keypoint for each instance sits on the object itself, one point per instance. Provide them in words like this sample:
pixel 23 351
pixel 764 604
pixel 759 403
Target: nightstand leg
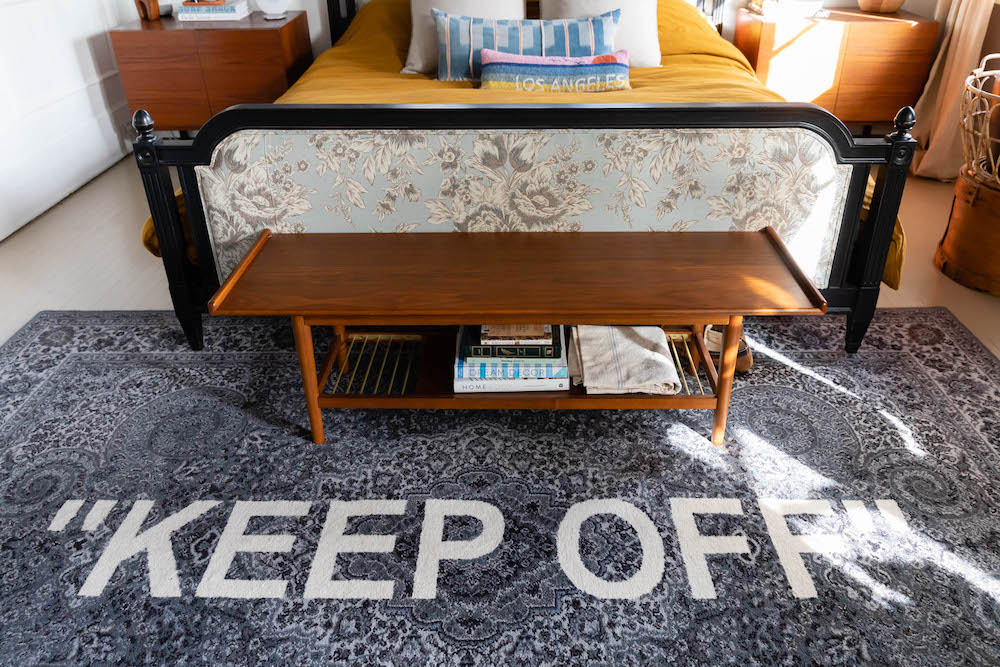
pixel 307 364
pixel 727 368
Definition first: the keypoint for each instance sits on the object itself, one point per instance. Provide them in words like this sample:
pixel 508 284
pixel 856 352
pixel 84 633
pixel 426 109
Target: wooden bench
pixel 416 289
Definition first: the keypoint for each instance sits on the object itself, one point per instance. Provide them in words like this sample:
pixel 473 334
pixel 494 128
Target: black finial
pixel 143 124
pixel 905 119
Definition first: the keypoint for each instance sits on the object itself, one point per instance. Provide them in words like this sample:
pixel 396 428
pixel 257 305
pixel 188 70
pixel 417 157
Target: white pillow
pixel 422 58
pixel 638 32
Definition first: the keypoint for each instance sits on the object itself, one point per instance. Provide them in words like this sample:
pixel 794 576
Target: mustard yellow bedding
pixel 363 68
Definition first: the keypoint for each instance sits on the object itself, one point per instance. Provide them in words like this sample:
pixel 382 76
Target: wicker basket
pixel 980 124
pixel 969 252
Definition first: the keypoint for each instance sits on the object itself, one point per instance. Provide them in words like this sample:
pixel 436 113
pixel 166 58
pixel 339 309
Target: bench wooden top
pixel 551 278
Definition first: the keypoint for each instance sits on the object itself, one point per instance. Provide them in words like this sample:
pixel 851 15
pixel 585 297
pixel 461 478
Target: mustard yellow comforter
pixel 363 68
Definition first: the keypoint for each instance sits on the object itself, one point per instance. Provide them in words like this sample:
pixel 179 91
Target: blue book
pixel 227 8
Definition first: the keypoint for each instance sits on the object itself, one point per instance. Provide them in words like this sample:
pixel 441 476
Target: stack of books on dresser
pixel 510 358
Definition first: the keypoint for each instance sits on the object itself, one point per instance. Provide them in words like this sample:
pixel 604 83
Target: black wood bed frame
pixel 858 263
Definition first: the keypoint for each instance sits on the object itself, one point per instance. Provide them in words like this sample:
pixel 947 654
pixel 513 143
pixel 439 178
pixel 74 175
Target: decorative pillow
pixel 461 40
pixel 637 31
pixel 423 57
pixel 555 74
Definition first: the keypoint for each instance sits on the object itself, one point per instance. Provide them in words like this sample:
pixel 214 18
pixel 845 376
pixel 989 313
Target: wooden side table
pixel 184 72
pixel 861 67
pixel 427 283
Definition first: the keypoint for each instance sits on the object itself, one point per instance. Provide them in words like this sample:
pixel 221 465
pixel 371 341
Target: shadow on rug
pixel 161 505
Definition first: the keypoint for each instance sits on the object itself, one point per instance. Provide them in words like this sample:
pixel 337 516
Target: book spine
pixel 527 352
pixel 468 386
pixel 510 371
pixel 230 9
pixel 516 341
pixel 506 361
pixel 212 17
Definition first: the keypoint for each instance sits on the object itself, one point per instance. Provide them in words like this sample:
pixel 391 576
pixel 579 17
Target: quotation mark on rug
pixel 95 517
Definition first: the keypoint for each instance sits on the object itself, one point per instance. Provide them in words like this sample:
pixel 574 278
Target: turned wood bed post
pixel 169 233
pixel 877 234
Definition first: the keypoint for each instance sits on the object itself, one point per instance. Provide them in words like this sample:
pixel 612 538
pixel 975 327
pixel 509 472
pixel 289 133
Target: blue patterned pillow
pixel 461 40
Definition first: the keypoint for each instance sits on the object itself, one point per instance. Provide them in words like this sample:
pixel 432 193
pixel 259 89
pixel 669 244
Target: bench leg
pixel 307 363
pixel 341 338
pixel 697 331
pixel 727 369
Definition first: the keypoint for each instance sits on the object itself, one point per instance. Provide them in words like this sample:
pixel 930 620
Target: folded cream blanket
pixel 622 360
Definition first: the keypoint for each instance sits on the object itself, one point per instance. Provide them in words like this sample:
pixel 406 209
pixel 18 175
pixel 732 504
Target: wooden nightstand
pixel 184 72
pixel 861 67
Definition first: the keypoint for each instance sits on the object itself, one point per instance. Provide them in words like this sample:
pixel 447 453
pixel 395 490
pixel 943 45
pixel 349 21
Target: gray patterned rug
pixel 127 531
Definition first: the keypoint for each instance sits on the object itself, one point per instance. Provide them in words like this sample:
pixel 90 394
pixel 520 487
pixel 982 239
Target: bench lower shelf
pixel 574 399
pixel 382 373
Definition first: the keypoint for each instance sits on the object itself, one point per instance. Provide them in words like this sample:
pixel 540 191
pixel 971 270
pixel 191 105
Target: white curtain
pixel 964 24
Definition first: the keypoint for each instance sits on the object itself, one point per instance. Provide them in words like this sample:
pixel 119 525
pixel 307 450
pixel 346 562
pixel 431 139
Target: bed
pixel 355 146
pixel 364 68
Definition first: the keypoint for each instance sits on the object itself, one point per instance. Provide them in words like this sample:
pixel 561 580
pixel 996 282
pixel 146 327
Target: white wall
pixel 319 25
pixel 63 115
pixel 63 118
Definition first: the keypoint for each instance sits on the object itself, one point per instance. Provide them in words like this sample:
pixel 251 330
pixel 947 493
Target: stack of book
pixel 231 10
pixel 511 358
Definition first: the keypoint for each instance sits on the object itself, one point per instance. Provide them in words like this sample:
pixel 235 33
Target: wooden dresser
pixel 861 67
pixel 184 72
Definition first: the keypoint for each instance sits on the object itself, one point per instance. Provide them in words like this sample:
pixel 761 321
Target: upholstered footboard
pixel 705 167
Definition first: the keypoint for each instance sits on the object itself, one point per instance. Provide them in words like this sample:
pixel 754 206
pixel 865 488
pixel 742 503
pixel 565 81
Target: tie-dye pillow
pixel 461 40
pixel 555 74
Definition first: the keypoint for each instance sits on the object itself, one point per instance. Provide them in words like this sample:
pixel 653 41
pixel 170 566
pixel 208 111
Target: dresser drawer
pixel 161 73
pixel 862 67
pixel 240 84
pixel 238 47
pixel 884 69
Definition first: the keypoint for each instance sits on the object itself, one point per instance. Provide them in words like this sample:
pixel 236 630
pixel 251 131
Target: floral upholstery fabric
pixel 527 180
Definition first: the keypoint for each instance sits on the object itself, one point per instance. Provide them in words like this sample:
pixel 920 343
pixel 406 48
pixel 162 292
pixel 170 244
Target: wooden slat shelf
pixel 433 389
pixel 574 399
pixel 416 282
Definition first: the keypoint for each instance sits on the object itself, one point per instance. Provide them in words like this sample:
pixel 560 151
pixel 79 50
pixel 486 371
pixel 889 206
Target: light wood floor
pixel 84 254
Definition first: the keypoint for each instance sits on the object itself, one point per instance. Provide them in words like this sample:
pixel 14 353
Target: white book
pixel 472 386
pixel 212 17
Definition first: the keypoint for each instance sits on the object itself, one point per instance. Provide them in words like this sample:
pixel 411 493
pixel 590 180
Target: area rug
pixel 159 505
